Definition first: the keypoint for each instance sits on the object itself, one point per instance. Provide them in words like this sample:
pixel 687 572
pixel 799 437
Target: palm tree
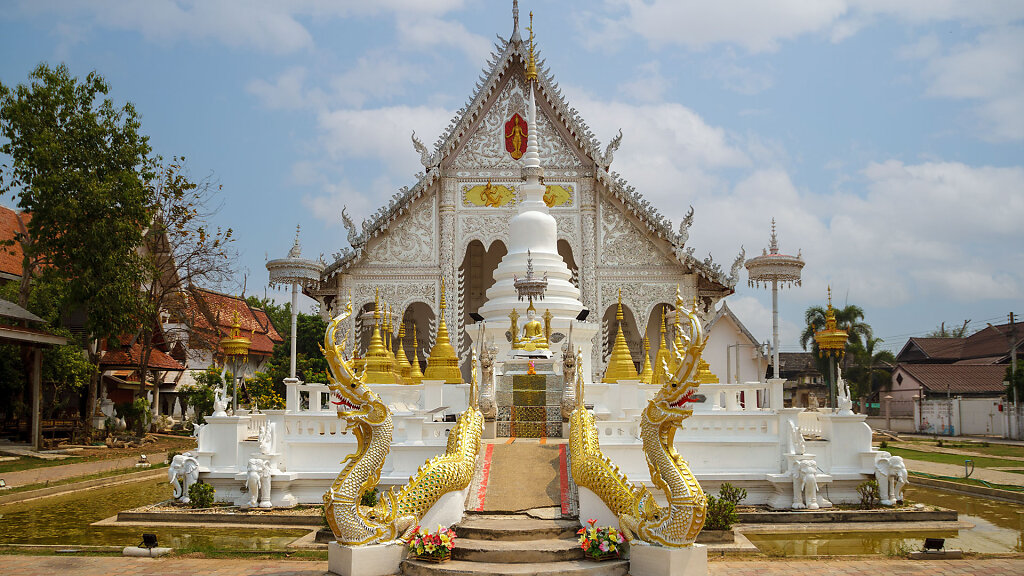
pixel 849 318
pixel 871 368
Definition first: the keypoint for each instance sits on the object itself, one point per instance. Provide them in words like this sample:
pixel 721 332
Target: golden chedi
pixel 377 361
pixel 704 373
pixel 404 367
pixel 663 358
pixel 415 373
pixel 620 365
pixel 443 363
pixel 647 374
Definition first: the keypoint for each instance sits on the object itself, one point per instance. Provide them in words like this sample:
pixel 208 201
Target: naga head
pixel 348 391
pixel 679 389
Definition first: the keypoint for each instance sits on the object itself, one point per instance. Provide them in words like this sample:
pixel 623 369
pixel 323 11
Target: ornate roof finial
pixel 376 306
pixel 531 64
pixel 774 244
pixel 443 303
pixel 296 250
pixel 829 296
pixel 515 21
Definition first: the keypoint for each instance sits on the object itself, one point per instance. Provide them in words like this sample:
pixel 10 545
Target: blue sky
pixel 887 138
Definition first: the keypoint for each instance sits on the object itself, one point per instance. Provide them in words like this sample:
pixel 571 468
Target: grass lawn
pixel 163 444
pixel 955 459
pixel 995 450
pixel 76 479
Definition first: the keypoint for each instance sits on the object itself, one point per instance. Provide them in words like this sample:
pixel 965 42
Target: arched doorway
pixel 565 251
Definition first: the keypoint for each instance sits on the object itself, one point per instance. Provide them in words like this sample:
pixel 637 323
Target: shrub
pixel 170 456
pixel 200 396
pixel 938 443
pixel 883 445
pixel 200 495
pixel 721 514
pixel 730 493
pixel 262 390
pixel 369 497
pixel 868 491
pixel 136 415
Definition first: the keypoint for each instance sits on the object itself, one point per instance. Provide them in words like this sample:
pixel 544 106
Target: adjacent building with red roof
pixel 974 366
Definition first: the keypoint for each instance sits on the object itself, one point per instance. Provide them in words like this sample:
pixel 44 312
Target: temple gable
pixel 485 147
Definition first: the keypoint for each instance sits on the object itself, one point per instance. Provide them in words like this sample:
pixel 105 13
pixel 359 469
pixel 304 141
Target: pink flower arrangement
pixel 597 542
pixel 434 544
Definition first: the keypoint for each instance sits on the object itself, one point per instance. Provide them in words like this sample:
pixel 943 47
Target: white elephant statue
pixel 805 485
pixel 186 468
pixel 253 480
pixel 891 475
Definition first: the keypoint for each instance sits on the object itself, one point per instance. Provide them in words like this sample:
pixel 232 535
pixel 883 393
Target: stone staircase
pixel 498 544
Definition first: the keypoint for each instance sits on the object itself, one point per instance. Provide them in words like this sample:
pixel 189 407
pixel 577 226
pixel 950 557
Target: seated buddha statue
pixel 534 337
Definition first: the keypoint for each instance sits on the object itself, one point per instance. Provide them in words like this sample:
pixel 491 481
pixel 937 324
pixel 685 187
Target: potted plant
pixel 432 546
pixel 600 543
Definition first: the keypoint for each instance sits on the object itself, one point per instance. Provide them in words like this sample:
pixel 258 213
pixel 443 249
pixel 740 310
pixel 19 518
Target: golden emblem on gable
pixel 488 195
pixel 558 195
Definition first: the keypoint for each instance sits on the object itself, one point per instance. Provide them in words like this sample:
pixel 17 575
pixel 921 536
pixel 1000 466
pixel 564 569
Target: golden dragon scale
pixel 396 514
pixel 640 518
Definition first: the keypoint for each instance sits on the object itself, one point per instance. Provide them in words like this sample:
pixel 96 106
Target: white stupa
pixel 533 241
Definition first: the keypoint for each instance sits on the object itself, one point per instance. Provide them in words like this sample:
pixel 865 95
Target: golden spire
pixel 531 64
pixel 677 327
pixel 389 340
pixel 704 373
pixel 378 364
pixel 663 357
pixel 404 367
pixel 620 364
pixel 443 363
pixel 647 374
pixel 415 375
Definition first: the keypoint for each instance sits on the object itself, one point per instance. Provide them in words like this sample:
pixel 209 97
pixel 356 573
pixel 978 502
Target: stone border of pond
pixel 304 521
pixel 816 516
pixel 994 493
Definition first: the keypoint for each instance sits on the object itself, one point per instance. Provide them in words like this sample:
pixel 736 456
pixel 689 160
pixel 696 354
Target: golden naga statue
pixel 535 335
pixel 396 514
pixel 641 520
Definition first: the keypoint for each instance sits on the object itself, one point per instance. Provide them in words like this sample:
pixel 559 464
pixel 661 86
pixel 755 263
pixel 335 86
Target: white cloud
pixel 426 32
pixel 759 26
pixel 989 70
pixel 381 133
pixel 649 85
pixel 288 91
pixel 273 26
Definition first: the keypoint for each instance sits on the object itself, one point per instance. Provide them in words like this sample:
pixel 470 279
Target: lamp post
pixel 774 268
pixel 236 350
pixel 832 343
pixel 295 271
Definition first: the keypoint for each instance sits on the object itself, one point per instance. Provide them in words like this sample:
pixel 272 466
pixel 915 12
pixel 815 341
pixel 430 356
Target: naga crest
pixel 347 388
pixel 679 389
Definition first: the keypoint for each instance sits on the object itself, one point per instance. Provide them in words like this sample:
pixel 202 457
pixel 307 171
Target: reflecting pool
pixel 998 527
pixel 66 520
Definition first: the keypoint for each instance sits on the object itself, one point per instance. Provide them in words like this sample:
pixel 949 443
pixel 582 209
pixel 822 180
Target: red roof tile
pixel 958 378
pixel 11 256
pixel 214 315
pixel 940 348
pixel 128 355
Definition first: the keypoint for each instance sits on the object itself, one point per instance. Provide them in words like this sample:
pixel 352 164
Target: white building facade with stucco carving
pixel 452 225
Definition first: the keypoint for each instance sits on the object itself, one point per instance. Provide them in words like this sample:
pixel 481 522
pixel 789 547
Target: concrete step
pixel 463 568
pixel 517 551
pixel 514 527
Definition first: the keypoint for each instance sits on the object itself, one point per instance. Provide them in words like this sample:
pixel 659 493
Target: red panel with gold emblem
pixel 515 136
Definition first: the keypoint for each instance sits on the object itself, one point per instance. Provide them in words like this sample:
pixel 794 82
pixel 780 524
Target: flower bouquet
pixel 432 547
pixel 602 543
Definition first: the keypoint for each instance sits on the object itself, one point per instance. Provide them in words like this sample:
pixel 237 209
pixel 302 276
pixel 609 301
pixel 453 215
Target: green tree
pixel 180 249
pixel 1015 382
pixel 871 368
pixel 79 165
pixel 849 318
pixel 943 332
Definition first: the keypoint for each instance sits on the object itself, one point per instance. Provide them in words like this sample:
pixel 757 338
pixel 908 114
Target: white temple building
pixel 518 193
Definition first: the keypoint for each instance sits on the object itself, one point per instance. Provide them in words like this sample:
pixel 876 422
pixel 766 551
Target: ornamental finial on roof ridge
pixel 774 244
pixel 515 22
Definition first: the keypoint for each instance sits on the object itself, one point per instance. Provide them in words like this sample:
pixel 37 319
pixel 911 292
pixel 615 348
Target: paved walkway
pixel 104 566
pixel 957 471
pixel 64 471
